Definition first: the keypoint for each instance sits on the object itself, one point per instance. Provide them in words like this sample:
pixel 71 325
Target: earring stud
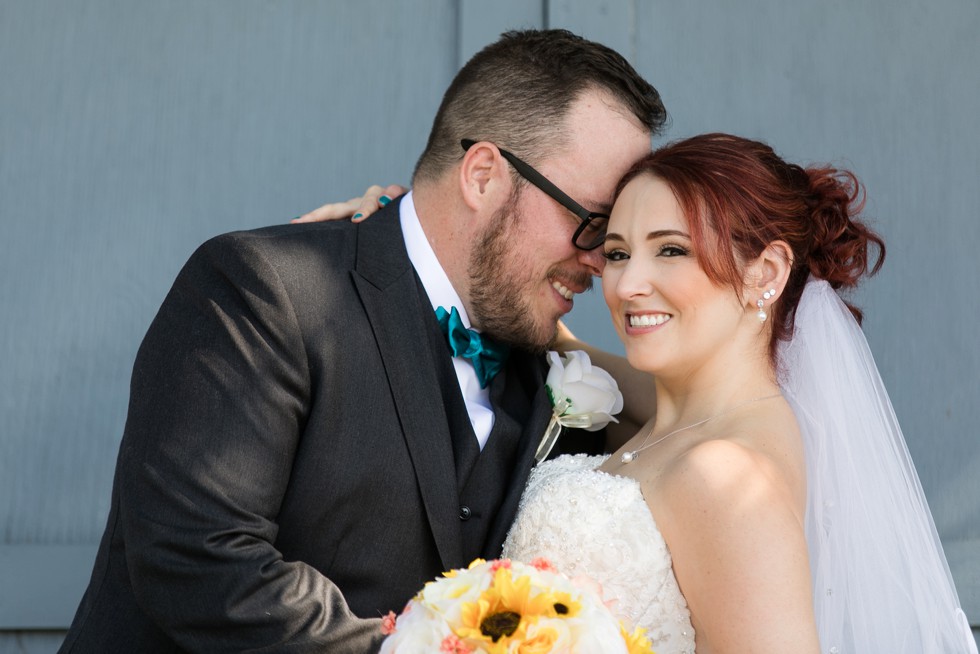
pixel 768 295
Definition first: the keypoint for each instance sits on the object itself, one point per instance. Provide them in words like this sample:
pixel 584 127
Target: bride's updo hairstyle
pixel 739 196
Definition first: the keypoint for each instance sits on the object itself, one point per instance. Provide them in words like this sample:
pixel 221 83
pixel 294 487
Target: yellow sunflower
pixel 564 605
pixel 503 611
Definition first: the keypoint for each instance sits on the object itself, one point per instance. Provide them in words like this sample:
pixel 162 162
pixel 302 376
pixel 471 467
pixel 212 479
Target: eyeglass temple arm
pixel 539 180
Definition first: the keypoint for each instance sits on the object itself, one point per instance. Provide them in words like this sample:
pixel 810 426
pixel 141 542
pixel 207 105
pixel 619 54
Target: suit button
pixel 465 513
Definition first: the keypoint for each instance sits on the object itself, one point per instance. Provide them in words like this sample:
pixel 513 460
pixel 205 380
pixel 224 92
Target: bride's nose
pixel 633 281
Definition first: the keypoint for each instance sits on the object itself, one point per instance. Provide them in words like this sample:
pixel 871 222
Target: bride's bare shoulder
pixel 747 469
pixel 731 512
pixel 718 469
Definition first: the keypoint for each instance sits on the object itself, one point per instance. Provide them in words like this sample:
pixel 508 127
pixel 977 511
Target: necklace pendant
pixel 628 457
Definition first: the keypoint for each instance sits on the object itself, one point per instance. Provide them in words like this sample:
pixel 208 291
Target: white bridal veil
pixel 880 579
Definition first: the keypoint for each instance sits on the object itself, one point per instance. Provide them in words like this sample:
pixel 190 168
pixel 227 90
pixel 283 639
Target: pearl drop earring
pixel 768 295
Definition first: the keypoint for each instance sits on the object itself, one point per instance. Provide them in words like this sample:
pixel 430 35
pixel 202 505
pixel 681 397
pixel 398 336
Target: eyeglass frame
pixel 548 188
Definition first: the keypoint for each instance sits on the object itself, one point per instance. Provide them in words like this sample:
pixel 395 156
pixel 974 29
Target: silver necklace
pixel 630 455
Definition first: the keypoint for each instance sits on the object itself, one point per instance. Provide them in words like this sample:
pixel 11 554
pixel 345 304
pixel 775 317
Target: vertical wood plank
pixel 481 23
pixel 610 22
pixel 48 581
pixel 30 642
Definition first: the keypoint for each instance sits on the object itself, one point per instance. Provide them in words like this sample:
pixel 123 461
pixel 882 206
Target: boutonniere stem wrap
pixel 582 396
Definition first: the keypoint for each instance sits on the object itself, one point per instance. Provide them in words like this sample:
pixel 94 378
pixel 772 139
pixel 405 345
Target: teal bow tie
pixel 486 355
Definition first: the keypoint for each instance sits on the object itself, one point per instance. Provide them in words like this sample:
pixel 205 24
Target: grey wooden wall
pixel 130 131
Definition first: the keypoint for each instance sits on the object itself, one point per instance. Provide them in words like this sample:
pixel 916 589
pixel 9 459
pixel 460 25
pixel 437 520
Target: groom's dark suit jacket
pixel 297 456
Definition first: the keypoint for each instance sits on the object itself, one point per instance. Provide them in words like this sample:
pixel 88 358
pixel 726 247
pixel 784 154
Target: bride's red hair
pixel 739 196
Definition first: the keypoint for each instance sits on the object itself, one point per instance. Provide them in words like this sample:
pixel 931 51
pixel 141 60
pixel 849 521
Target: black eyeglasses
pixel 591 233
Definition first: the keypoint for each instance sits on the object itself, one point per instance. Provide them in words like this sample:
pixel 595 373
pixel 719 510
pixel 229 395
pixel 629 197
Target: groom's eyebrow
pixel 603 207
pixel 597 206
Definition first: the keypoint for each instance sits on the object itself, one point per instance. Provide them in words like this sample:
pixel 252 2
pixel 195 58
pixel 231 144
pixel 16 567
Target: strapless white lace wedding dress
pixel 587 522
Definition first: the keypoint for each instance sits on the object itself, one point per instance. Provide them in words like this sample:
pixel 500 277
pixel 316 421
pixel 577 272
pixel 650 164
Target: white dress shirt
pixel 441 293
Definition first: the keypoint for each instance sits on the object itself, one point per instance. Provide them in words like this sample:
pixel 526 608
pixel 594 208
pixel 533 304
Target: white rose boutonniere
pixel 583 396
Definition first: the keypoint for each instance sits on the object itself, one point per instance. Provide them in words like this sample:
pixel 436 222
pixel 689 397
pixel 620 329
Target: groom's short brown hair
pixel 517 91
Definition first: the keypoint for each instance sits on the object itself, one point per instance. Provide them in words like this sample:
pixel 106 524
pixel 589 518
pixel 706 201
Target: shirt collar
pixel 434 279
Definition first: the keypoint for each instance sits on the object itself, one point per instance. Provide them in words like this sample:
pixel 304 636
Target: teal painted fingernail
pixel 357 215
pixel 384 200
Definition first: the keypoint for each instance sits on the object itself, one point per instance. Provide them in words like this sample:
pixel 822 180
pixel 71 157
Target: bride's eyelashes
pixel 672 250
pixel 615 254
pixel 665 250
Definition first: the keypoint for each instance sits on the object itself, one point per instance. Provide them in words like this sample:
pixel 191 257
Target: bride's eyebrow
pixel 661 233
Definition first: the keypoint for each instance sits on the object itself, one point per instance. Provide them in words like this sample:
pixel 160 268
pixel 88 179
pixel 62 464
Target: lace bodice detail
pixel 588 522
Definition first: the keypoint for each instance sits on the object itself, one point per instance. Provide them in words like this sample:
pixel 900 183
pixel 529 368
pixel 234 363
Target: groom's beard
pixel 502 284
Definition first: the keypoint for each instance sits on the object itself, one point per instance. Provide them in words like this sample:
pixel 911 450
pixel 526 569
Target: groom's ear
pixel 484 178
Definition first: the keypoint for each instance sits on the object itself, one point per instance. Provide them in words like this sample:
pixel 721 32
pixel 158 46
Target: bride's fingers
pixel 375 198
pixel 370 202
pixel 332 211
pixel 395 190
pixel 358 208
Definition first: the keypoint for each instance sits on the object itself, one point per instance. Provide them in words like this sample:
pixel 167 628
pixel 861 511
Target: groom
pixel 302 451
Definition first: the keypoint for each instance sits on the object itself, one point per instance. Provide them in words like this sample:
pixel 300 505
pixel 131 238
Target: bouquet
pixel 506 607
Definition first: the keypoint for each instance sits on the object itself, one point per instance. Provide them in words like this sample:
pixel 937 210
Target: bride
pixel 770 505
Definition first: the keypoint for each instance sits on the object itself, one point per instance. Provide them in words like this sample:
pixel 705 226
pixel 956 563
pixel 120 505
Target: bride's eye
pixel 615 255
pixel 670 250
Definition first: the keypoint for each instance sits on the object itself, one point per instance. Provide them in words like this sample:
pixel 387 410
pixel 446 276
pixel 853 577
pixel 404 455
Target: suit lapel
pixel 387 285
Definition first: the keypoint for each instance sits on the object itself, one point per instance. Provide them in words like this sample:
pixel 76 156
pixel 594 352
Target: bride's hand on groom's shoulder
pixel 357 209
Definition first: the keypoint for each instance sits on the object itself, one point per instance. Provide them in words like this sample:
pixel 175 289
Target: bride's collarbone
pixel 646 466
pixel 771 440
